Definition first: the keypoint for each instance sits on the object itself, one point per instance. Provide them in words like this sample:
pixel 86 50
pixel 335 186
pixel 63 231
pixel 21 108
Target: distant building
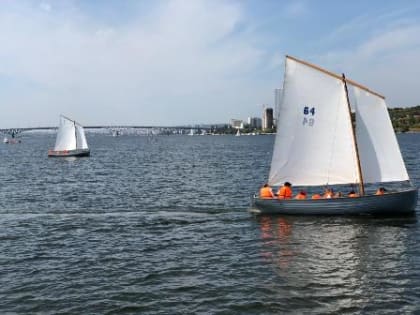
pixel 255 122
pixel 268 121
pixel 237 123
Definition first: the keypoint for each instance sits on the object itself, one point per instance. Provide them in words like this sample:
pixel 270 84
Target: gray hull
pixel 395 203
pixel 68 153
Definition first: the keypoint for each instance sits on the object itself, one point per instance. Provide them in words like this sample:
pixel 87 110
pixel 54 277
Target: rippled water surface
pixel 159 225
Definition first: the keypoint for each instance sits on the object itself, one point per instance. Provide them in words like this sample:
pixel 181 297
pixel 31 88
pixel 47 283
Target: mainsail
pixel 314 142
pixel 379 152
pixel 70 136
pixel 66 139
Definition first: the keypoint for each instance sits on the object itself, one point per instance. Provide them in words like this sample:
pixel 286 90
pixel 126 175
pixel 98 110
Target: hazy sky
pixel 192 61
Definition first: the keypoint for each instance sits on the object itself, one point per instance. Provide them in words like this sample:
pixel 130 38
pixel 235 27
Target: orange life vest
pixel 266 193
pixel 316 196
pixel 300 196
pixel 285 193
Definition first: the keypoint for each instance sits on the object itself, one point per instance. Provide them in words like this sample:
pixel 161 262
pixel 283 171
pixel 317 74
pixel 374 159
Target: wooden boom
pixel 339 77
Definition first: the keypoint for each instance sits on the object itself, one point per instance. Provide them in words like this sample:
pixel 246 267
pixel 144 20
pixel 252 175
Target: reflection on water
pixel 275 233
pixel 355 262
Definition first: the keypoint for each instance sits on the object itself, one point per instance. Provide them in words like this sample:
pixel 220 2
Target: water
pixel 159 225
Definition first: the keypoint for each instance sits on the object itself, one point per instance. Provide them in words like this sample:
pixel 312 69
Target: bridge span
pixel 14 132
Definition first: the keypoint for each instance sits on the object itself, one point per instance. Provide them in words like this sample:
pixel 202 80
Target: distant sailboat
pixel 317 145
pixel 70 141
pixel 116 132
pixel 192 133
pixel 238 133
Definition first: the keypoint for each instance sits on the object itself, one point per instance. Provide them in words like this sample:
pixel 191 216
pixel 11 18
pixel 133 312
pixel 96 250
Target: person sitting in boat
pixel 380 191
pixel 316 196
pixel 328 194
pixel 352 194
pixel 266 192
pixel 338 194
pixel 285 192
pixel 301 195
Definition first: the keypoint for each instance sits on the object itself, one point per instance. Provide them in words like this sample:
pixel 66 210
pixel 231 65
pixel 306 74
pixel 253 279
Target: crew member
pixel 266 192
pixel 301 195
pixel 352 194
pixel 328 193
pixel 380 191
pixel 316 196
pixel 285 192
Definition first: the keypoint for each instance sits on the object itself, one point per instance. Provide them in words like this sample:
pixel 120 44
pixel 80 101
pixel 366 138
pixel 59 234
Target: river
pixel 160 225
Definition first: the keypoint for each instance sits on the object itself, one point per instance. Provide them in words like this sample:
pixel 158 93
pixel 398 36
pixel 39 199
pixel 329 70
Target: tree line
pixel 405 119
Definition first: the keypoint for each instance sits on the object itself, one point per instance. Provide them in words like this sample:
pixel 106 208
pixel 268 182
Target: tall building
pixel 255 122
pixel 237 123
pixel 267 120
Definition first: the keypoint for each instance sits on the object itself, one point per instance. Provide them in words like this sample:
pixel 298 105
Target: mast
pixel 359 168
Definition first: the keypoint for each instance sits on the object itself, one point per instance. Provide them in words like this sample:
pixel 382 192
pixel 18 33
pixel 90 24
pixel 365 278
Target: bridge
pixel 14 132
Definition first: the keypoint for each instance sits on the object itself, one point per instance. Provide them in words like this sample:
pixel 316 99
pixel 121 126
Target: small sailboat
pixel 116 132
pixel 238 133
pixel 318 145
pixel 70 141
pixel 11 140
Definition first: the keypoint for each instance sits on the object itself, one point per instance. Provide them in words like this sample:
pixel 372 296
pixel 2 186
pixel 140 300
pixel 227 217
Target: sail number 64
pixel 308 111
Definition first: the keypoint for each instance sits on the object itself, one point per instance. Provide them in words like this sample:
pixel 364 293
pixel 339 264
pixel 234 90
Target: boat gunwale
pixel 399 202
pixel 414 188
pixel 69 153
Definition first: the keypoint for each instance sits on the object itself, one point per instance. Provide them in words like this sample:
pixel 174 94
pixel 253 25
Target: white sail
pixel 66 139
pixel 80 137
pixel 314 141
pixel 379 153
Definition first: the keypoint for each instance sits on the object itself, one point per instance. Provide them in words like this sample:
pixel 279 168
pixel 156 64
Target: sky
pixel 185 62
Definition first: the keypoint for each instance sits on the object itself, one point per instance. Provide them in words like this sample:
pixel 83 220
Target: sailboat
pixel 70 141
pixel 238 133
pixel 318 145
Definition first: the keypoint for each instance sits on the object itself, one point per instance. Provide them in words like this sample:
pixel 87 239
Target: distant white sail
pixel 314 141
pixel 80 137
pixel 70 136
pixel 379 152
pixel 66 135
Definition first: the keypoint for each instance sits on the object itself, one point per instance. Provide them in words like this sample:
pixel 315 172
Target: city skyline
pixel 177 62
